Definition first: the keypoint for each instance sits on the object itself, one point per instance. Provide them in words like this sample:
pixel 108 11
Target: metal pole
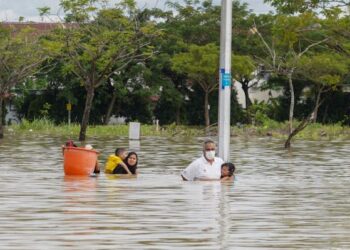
pixel 225 80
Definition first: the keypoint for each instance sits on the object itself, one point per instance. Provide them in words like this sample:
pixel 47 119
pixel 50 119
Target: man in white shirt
pixel 207 167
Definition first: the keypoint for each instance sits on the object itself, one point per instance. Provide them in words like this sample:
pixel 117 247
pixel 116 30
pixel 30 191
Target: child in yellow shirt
pixel 116 160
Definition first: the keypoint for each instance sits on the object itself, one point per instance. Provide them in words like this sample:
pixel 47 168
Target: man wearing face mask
pixel 207 167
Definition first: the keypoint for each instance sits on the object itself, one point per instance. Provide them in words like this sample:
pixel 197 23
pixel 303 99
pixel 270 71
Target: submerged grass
pixel 271 128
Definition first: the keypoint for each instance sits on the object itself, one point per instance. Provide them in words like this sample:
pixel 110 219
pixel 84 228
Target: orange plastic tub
pixel 79 161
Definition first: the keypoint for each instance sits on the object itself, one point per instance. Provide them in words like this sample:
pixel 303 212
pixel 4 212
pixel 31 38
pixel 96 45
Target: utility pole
pixel 225 80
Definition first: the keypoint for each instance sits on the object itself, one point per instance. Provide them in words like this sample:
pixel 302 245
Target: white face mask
pixel 210 155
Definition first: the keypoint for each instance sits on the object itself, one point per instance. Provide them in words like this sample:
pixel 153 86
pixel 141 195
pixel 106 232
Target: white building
pixel 255 93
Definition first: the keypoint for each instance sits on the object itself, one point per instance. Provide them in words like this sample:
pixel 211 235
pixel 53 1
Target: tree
pixel 195 21
pixel 293 6
pixel 337 23
pixel 243 68
pixel 291 38
pixel 201 65
pixel 189 22
pixel 96 47
pixel 326 71
pixel 20 57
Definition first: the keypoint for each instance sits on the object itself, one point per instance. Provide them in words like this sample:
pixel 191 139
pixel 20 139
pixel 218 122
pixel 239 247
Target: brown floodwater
pixel 279 199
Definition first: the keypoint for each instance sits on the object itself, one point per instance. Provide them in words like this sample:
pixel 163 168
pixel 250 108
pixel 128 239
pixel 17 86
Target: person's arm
pixel 206 179
pixel 183 178
pixel 97 168
pixel 191 172
pixel 125 167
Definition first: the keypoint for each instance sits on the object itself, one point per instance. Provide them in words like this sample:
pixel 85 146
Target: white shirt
pixel 202 169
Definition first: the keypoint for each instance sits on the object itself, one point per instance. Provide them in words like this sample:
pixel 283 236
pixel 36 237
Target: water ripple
pixel 280 199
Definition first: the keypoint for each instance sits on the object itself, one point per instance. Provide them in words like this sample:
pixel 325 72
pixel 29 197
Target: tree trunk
pixel 248 102
pixel 301 126
pixel 110 107
pixel 317 104
pixel 206 109
pixel 88 104
pixel 1 114
pixel 292 102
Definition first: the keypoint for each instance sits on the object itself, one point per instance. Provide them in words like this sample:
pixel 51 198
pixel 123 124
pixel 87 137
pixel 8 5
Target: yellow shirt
pixel 112 163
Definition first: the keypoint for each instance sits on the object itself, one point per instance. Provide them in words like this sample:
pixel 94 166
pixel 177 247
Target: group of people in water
pixel 207 167
pixel 122 162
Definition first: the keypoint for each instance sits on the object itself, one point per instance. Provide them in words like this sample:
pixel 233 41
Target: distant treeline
pixel 147 64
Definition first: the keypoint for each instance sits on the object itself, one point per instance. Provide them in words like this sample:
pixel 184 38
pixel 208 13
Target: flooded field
pixel 279 200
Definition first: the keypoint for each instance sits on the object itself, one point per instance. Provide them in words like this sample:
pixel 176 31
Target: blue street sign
pixel 225 80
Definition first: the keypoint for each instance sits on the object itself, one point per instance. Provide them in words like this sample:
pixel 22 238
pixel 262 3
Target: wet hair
pixel 231 167
pixel 127 158
pixel 119 151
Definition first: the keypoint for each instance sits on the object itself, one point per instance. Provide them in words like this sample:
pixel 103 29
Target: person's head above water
pixel 121 152
pixel 209 148
pixel 132 159
pixel 227 169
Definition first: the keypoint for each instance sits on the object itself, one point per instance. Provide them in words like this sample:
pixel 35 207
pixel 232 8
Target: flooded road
pixel 279 200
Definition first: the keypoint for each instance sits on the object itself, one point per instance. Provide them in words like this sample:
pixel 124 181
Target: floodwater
pixel 279 200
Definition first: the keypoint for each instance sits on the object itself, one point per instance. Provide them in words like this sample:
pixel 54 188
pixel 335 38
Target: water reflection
pixel 134 145
pixel 79 206
pixel 280 199
pixel 79 183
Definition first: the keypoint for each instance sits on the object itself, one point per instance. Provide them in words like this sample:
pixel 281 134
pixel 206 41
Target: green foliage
pixel 242 67
pixel 314 131
pixel 78 10
pixel 261 113
pixel 194 22
pixel 95 43
pixel 185 37
pixel 44 11
pixel 20 58
pixel 36 125
pixel 295 6
pixel 324 68
pixel 45 110
pixel 200 62
pixel 293 32
pixel 169 105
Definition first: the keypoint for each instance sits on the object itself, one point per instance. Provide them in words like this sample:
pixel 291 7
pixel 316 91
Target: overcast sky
pixel 11 10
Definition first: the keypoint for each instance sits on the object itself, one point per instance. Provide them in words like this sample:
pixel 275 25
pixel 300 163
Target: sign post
pixel 225 80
